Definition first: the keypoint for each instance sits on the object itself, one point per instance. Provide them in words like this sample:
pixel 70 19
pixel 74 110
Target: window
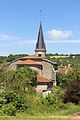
pixel 39 55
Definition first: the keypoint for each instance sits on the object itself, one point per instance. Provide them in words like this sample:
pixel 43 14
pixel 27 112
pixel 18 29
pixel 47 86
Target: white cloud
pixel 59 34
pixel 26 42
pixel 65 41
pixel 7 37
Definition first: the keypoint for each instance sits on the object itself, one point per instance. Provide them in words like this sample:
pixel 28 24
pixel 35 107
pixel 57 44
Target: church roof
pixel 31 57
pixel 42 79
pixel 27 62
pixel 40 45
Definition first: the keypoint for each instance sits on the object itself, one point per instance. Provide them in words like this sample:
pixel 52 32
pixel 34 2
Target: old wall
pixel 37 68
pixel 12 66
pixel 47 70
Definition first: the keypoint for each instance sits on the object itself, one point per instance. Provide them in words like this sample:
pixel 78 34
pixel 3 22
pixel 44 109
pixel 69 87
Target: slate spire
pixel 40 45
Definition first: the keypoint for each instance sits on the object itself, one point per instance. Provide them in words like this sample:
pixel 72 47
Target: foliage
pixel 16 84
pixel 11 57
pixel 9 109
pixel 71 84
pixel 2 59
pixel 43 105
pixel 74 60
pixel 64 80
pixel 11 103
pixel 53 100
pixel 38 105
pixel 20 81
pixel 72 93
pixel 57 90
pixel 17 100
pixel 18 94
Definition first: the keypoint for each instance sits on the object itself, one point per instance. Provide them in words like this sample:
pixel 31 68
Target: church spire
pixel 40 49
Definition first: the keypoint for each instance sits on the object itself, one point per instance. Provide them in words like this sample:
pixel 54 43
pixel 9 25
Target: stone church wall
pixel 48 70
pixel 12 66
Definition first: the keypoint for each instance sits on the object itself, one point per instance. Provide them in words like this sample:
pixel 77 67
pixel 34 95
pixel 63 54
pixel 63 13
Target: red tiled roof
pixel 27 62
pixel 42 79
pixel 31 57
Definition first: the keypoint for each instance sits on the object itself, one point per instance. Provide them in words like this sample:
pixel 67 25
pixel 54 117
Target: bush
pixel 10 97
pixel 52 100
pixel 19 102
pixel 11 103
pixel 9 109
pixel 72 93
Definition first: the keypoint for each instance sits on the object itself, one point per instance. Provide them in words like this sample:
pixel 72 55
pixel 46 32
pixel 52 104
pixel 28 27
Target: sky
pixel 20 21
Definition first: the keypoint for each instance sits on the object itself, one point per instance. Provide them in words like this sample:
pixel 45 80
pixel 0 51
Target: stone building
pixel 46 69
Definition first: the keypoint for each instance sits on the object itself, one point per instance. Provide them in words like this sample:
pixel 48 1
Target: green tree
pixel 64 80
pixel 20 81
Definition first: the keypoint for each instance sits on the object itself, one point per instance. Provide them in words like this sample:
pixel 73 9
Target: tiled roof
pixel 42 79
pixel 27 62
pixel 31 57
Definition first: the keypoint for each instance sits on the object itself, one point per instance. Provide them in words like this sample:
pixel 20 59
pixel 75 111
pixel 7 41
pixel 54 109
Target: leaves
pixel 20 80
pixel 72 93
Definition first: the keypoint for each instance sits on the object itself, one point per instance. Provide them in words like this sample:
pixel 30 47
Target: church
pixel 46 69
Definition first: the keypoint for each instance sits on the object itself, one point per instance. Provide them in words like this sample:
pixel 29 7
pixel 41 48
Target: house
pixel 46 69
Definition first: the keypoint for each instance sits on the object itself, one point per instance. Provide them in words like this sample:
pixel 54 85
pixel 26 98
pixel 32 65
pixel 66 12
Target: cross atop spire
pixel 40 49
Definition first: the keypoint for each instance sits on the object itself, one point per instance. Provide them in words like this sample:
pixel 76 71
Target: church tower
pixel 40 49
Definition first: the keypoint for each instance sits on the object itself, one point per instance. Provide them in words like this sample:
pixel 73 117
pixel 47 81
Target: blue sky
pixel 20 20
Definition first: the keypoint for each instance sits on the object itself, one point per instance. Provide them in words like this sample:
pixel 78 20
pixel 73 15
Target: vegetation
pixel 17 91
pixel 73 59
pixel 72 93
pixel 66 79
pixel 11 57
pixel 14 86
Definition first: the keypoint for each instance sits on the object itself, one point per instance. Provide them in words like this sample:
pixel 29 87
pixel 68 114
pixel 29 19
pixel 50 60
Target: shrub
pixel 11 103
pixel 10 97
pixel 72 93
pixel 9 109
pixel 19 102
pixel 52 100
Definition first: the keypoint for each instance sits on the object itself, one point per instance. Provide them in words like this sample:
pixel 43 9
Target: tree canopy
pixel 20 80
